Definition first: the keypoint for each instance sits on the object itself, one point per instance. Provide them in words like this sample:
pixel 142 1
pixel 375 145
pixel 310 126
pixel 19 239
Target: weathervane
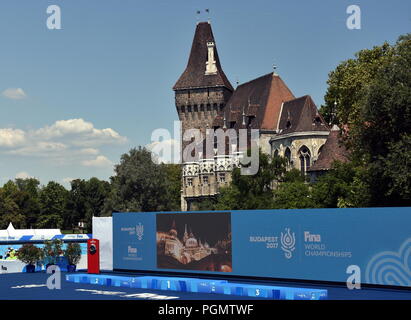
pixel 208 15
pixel 198 12
pixel 275 68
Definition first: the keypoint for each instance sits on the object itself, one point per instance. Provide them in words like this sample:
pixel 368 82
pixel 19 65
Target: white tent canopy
pixel 11 232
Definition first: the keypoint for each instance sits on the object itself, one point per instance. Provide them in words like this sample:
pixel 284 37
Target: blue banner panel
pixel 311 244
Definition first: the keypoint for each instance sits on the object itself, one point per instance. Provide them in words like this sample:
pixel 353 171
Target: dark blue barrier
pixel 312 244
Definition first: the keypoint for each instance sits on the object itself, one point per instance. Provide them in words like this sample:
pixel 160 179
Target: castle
pixel 288 126
pixel 186 250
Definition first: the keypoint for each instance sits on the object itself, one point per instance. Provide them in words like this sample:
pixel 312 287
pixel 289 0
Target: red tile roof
pixel 260 99
pixel 333 150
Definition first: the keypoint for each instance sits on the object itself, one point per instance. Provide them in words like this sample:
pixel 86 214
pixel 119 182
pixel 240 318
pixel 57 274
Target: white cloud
pixel 14 93
pixel 23 175
pixel 11 137
pixel 89 151
pixel 65 142
pixel 80 133
pixel 39 149
pixel 99 161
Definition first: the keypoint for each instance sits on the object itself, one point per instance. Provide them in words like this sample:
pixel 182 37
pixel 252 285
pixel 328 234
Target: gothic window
pixel 208 107
pixel 249 120
pixel 287 155
pixel 205 179
pixel 288 124
pixel 188 94
pixel 189 109
pixel 190 182
pixel 305 159
pixel 276 153
pixel 183 109
pixel 201 107
pixel 222 177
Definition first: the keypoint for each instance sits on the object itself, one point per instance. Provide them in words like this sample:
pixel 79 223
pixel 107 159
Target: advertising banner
pixel 311 244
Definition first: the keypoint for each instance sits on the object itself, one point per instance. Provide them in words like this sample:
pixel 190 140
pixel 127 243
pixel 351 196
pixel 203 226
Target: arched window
pixel 276 153
pixel 305 159
pixel 287 155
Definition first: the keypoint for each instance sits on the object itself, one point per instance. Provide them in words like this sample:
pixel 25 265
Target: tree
pixel 96 194
pixel 347 82
pixel 53 201
pixel 397 171
pixel 9 209
pixel 173 186
pixel 293 195
pixel 345 185
pixel 139 184
pixel 76 204
pixel 86 199
pixel 374 108
pixel 252 192
pixel 27 199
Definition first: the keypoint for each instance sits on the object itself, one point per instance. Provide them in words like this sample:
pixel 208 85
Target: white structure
pixel 103 231
pixel 13 233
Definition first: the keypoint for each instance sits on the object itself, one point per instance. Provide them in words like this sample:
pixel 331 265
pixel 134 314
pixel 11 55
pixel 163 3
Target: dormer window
pixel 211 67
pixel 317 120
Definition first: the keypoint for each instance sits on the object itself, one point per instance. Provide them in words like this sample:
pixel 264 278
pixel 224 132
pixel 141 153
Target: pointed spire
pixel 203 69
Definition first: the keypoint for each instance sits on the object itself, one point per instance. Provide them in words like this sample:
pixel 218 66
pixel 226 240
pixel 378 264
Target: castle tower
pixel 203 89
pixel 201 93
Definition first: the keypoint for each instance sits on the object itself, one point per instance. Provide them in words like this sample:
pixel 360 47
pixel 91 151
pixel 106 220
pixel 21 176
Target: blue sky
pixel 102 84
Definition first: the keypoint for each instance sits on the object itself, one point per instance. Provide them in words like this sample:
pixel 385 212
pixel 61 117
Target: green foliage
pixel 9 208
pixel 373 94
pixel 344 186
pixel 251 192
pixel 347 81
pixel 52 250
pixel 173 186
pixel 293 195
pixel 29 254
pixel 73 253
pixel 141 184
pixel 397 170
pixel 53 201
pixel 86 199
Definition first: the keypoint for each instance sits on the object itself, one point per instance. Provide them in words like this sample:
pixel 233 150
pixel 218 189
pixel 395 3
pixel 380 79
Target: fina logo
pixel 288 243
pixel 140 231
